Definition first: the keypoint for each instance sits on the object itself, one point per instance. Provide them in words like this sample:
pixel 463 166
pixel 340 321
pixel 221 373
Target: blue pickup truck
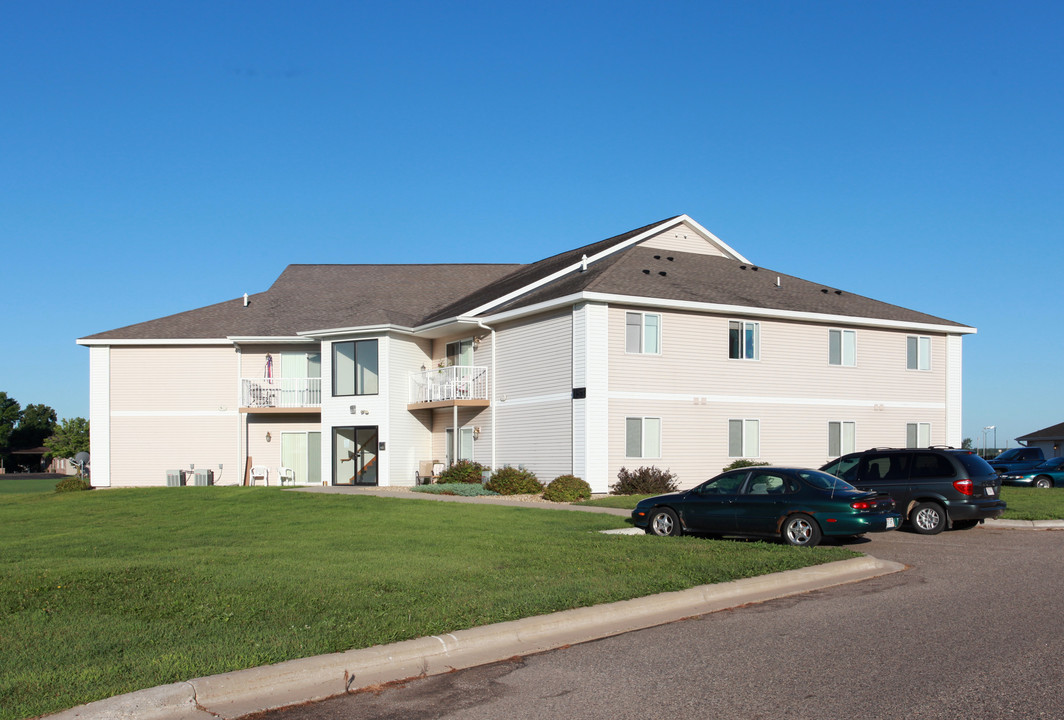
pixel 1018 459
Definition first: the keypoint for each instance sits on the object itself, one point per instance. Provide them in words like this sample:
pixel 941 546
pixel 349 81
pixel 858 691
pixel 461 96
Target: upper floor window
pixel 642 333
pixel 642 437
pixel 918 352
pixel 460 352
pixel 744 340
pixel 842 347
pixel 355 368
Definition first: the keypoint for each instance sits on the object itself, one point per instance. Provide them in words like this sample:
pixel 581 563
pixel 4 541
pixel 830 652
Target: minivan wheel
pixel 928 518
pixel 1043 481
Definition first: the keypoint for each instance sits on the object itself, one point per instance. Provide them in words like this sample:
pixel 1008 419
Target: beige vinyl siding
pixel 683 238
pixel 145 447
pixel 792 391
pixel 409 438
pixel 187 378
pixel 534 374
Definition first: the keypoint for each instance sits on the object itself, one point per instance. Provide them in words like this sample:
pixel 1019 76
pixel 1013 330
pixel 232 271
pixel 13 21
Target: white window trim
pixel 742 340
pixel 918 338
pixel 744 438
pixel 642 437
pixel 642 332
pixel 918 426
pixel 842 347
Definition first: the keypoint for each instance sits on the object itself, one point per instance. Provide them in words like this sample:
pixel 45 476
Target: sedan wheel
pixel 802 531
pixel 1043 481
pixel 928 518
pixel 664 523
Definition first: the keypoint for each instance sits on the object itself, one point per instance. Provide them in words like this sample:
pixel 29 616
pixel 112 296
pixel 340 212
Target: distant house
pixel 1050 439
pixel 660 346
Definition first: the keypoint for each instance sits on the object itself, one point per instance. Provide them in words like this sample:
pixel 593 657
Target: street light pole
pixel 987 429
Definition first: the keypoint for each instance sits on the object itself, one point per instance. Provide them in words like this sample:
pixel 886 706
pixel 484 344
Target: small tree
pixel 70 438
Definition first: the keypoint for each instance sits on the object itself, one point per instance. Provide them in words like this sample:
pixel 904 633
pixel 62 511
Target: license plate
pixel 891 522
pixel 990 491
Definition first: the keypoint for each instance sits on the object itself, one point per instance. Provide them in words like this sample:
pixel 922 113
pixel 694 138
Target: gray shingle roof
pixel 316 297
pixel 1053 432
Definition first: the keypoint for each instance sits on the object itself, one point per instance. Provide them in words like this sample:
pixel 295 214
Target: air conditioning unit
pixel 175 478
pixel 204 477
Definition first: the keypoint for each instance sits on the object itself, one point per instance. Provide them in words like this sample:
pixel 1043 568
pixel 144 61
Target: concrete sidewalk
pixel 235 694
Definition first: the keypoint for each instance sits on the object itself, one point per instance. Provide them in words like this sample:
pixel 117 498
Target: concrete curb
pixel 242 692
pixel 1038 524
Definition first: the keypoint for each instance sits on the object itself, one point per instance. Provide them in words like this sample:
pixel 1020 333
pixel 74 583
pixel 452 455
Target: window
pixel 642 333
pixel 918 353
pixel 744 340
pixel 465 444
pixel 460 353
pixel 744 438
pixel 642 437
pixel 301 453
pixel 918 435
pixel 841 437
pixel 355 368
pixel 842 347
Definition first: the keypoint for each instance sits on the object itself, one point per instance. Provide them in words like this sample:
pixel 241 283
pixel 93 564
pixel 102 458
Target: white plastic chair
pixel 260 472
pixel 286 474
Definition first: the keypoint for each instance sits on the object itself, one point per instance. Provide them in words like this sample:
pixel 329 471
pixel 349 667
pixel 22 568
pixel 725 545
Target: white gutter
pixel 90 342
pixel 356 330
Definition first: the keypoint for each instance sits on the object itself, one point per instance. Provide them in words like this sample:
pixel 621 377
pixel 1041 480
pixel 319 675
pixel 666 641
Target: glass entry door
pixel 355 456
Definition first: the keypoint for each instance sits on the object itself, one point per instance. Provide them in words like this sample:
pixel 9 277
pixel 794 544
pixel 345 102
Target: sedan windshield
pixel 1056 463
pixel 823 481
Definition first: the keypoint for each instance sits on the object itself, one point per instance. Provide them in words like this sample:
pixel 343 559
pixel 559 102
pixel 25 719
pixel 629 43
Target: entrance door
pixel 355 456
pixel 301 451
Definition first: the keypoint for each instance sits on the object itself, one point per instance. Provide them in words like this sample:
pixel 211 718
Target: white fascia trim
pixel 154 341
pixel 688 398
pixel 659 228
pixel 265 339
pixel 355 330
pixel 743 310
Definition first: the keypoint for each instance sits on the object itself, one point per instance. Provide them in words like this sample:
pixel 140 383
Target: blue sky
pixel 160 156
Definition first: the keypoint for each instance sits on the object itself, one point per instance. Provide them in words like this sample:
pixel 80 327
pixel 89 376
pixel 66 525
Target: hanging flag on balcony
pixel 268 372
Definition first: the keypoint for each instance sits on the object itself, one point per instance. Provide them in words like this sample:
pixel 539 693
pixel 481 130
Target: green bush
pixel 463 471
pixel 72 484
pixel 741 464
pixel 461 489
pixel 644 481
pixel 514 481
pixel 567 488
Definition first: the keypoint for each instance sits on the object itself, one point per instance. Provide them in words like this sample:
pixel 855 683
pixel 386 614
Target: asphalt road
pixel 974 629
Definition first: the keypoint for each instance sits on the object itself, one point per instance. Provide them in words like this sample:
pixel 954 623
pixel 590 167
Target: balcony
pixel 457 385
pixel 277 395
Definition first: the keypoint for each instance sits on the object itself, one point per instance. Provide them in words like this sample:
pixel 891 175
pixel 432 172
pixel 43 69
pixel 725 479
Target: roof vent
pixel 742 267
pixel 245 299
pixel 777 281
pixel 662 273
pixel 754 268
pixel 646 272
pixel 583 263
pixel 657 257
pixel 838 292
pixel 670 258
pixel 824 290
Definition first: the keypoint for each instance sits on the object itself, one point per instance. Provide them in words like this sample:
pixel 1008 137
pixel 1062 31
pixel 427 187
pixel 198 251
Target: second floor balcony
pixel 463 385
pixel 280 394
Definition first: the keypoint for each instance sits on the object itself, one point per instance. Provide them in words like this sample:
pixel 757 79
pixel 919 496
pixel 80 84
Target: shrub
pixel 463 471
pixel 461 489
pixel 567 488
pixel 644 481
pixel 514 481
pixel 741 464
pixel 72 484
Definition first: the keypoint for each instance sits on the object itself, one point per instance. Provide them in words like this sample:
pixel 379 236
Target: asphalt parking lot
pixel 970 630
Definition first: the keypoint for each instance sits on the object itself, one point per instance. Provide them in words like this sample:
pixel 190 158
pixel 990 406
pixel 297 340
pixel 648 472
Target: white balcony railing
pixel 457 382
pixel 280 392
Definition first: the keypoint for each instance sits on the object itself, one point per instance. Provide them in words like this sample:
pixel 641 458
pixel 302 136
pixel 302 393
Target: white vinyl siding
pixel 842 347
pixel 642 437
pixel 917 434
pixel 918 352
pixel 744 438
pixel 842 437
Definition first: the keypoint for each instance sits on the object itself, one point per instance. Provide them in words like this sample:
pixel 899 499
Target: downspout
pixel 480 324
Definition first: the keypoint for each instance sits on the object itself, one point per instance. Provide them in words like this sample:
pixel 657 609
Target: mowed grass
pixel 19 485
pixel 1033 503
pixel 110 591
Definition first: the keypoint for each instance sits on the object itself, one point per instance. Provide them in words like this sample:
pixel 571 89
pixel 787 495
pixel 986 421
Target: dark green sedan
pixel 1048 474
pixel 797 505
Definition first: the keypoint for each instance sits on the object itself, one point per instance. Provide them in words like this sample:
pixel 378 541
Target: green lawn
pixel 110 591
pixel 1033 503
pixel 18 485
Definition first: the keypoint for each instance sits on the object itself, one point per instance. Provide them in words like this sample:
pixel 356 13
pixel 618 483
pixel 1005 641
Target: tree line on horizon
pixel 37 426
